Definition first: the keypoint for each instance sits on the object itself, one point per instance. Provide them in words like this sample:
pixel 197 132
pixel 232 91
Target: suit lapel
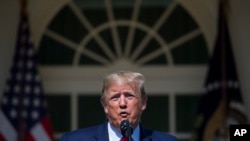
pixel 147 139
pixel 101 133
pixel 145 135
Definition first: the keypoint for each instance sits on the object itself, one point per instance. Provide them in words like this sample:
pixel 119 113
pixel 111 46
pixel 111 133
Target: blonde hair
pixel 124 77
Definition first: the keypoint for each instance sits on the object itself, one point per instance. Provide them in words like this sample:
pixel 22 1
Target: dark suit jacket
pixel 100 133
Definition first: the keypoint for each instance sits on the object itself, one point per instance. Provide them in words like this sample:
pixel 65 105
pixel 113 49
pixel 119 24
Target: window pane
pixel 152 46
pixel 67 24
pixel 151 11
pixel 59 112
pixel 186 106
pixel 94 12
pixel 90 111
pixel 52 52
pixel 177 24
pixel 192 52
pixel 156 114
pixel 138 38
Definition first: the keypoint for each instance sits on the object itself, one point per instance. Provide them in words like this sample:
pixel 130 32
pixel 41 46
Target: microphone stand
pixel 126 129
pixel 130 130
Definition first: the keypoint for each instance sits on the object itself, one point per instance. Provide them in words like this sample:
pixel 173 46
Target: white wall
pixel 8 26
pixel 240 34
pixel 42 10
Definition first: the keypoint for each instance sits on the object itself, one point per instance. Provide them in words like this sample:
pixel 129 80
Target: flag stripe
pixel 6 129
pixel 39 133
pixel 47 126
pixel 2 138
pixel 29 137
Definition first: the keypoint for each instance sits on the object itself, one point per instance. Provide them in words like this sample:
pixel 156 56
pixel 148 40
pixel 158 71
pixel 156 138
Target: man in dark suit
pixel 123 98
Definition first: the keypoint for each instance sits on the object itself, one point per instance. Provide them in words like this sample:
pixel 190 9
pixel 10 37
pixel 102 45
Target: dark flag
pixel 23 114
pixel 221 105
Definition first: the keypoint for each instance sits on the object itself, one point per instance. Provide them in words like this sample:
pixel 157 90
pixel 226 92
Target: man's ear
pixel 105 108
pixel 144 106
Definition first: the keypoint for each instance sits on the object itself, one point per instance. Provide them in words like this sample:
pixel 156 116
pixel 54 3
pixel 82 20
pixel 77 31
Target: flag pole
pixel 21 129
pixel 23 6
pixel 223 17
pixel 224 80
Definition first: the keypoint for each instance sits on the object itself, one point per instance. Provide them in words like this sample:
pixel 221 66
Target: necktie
pixel 124 138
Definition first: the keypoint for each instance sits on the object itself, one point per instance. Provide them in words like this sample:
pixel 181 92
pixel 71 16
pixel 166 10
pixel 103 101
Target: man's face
pixel 123 102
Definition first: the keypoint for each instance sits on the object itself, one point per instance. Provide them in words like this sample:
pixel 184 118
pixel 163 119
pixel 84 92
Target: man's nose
pixel 122 101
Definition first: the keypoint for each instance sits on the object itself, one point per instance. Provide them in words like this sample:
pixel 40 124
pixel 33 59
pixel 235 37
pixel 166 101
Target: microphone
pixel 126 129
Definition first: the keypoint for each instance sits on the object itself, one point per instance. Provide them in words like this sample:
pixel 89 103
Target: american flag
pixel 23 114
pixel 222 103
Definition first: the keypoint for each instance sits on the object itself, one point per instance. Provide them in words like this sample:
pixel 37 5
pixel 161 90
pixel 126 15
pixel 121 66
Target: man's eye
pixel 114 98
pixel 129 96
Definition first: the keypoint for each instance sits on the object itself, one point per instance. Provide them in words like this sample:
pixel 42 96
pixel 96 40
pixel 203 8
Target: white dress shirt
pixel 115 135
